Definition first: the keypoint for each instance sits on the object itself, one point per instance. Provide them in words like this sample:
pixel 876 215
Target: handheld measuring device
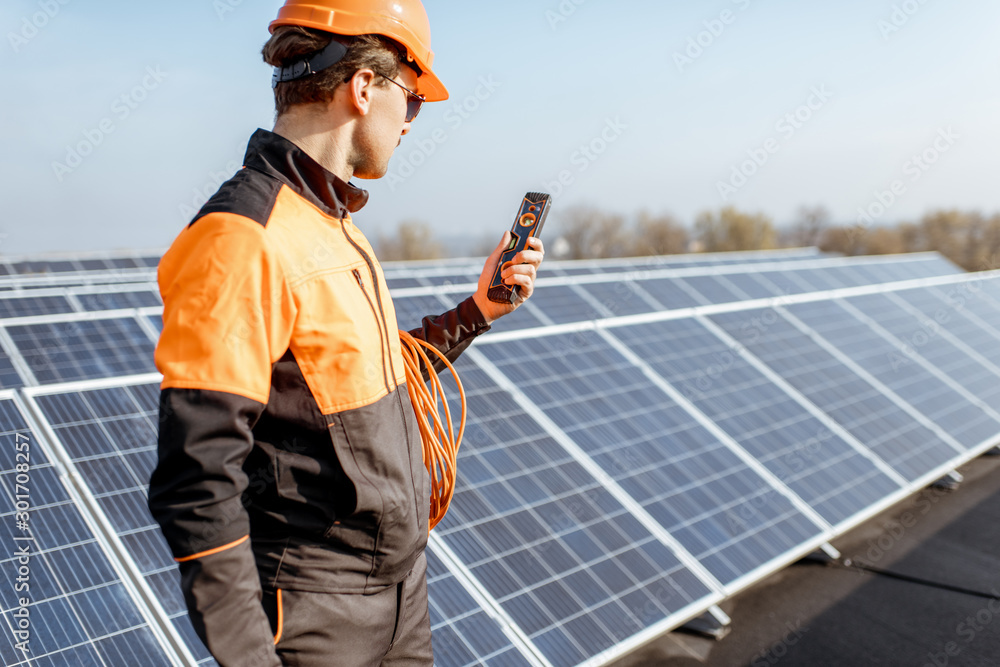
pixel 527 223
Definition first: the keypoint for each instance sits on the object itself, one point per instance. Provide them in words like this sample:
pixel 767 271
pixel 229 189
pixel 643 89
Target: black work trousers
pixel 391 628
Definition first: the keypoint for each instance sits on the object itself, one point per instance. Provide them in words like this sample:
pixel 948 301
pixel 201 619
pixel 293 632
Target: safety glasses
pixel 413 101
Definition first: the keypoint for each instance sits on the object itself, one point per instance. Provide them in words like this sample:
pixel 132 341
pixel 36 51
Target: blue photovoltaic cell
pixel 847 275
pixel 578 270
pixel 401 283
pixel 869 415
pixel 762 286
pixel 80 611
pixel 42 267
pixel 571 565
pixel 110 436
pixel 894 271
pixel 157 321
pixel 27 306
pixel 942 404
pixel 747 285
pixel 411 310
pixel 907 270
pixel 819 466
pixel 873 274
pixel 720 510
pixel 713 289
pixel 669 293
pixel 562 304
pixel 959 321
pixel 125 263
pixel 619 298
pixel 974 299
pixel 85 349
pixel 819 279
pixel 117 300
pixel 525 317
pixel 9 377
pixel 470 277
pixel 923 336
pixel 789 282
pixel 938 266
pixel 93 265
pixel 463 634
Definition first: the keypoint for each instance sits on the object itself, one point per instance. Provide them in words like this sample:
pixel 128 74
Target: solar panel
pixel 527 316
pixel 963 324
pixel 118 300
pixel 558 552
pixel 934 342
pixel 463 633
pixel 712 289
pixel 671 294
pixel 109 436
pixel 747 286
pixel 618 477
pixel 882 424
pixel 696 487
pixel 797 446
pixel 794 282
pixel 402 283
pixel 45 265
pixel 901 373
pixel 9 377
pixel 80 349
pixel 69 600
pixel 26 306
pixel 562 303
pixel 622 298
pixel 411 310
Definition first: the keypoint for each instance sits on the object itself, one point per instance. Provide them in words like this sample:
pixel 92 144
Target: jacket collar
pixel 279 158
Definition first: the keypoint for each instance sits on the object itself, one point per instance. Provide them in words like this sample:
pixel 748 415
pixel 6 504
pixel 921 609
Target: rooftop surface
pixel 828 615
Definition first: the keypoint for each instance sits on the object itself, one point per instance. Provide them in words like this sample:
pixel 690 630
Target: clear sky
pixel 120 118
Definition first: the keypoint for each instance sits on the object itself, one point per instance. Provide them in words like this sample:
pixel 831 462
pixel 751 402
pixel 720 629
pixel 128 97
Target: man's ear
pixel 359 90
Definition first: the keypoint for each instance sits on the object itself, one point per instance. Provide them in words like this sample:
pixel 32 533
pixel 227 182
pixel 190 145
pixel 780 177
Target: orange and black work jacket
pixel 289 453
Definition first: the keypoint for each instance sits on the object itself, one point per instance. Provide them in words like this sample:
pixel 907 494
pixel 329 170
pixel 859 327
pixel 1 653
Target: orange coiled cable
pixel 437 435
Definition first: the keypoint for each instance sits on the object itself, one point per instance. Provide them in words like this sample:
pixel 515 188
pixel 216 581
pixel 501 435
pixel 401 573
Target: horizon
pixel 672 108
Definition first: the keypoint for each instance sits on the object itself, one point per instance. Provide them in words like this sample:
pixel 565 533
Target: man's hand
pixel 521 271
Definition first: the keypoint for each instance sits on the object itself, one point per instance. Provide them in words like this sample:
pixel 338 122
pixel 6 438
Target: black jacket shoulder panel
pixel 249 193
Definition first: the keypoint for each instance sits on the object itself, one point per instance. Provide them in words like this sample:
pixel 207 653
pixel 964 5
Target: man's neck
pixel 324 140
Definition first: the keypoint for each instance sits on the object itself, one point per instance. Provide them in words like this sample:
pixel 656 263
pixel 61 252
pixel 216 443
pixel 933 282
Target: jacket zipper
pixel 378 298
pixel 357 276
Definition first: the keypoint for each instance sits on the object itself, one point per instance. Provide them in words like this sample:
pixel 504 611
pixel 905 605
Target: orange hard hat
pixel 404 21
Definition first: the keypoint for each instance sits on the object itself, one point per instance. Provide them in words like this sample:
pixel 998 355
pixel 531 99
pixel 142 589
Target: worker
pixel 289 484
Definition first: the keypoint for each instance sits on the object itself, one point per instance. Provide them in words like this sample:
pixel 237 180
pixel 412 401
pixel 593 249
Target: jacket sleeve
pixel 227 318
pixel 453 331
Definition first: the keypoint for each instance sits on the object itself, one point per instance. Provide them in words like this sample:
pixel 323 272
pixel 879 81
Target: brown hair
pixel 290 43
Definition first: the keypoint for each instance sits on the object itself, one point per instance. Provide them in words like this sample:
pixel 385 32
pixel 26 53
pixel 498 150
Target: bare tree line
pixel 968 238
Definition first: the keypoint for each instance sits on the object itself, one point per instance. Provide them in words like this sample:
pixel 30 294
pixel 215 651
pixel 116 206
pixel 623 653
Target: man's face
pixel 384 127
